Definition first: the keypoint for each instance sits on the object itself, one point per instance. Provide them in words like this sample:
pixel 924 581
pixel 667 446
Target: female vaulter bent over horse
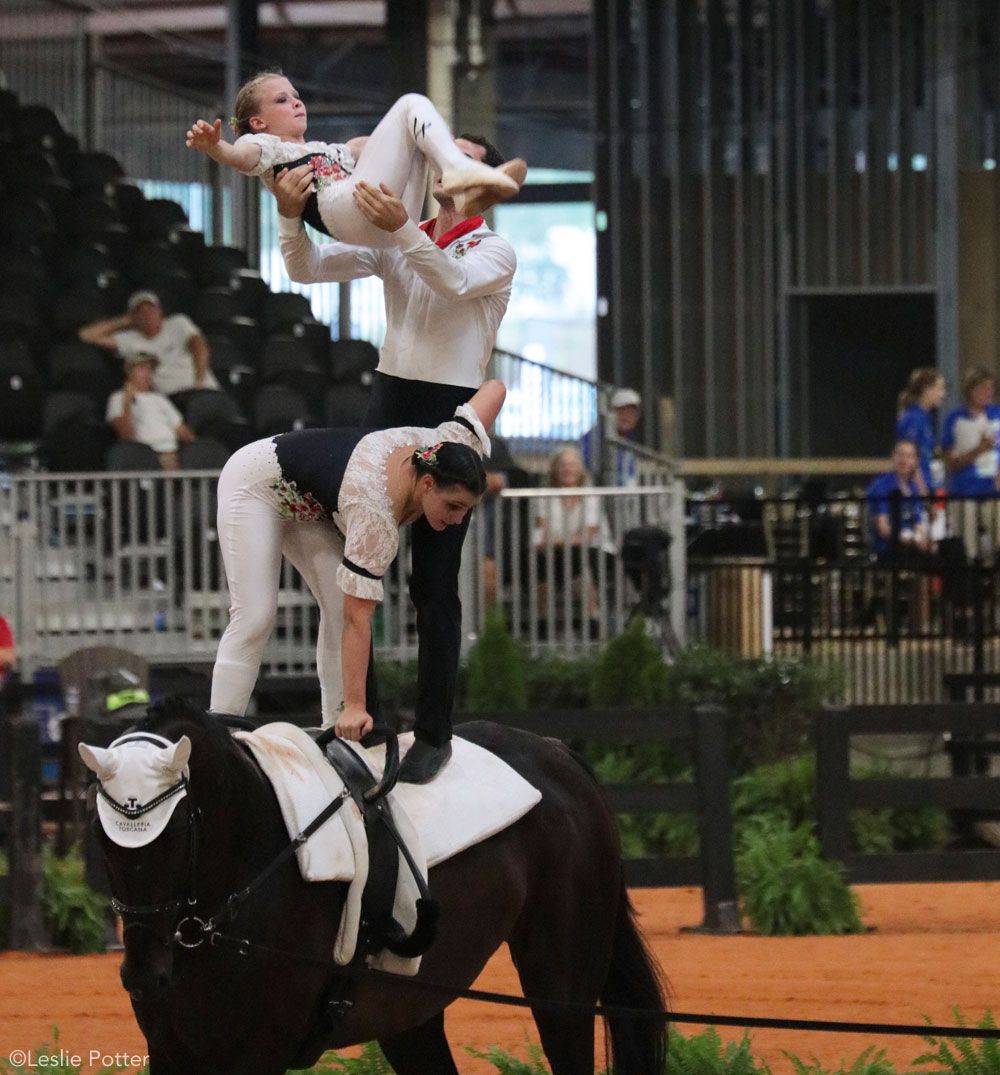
pixel 332 501
pixel 255 1000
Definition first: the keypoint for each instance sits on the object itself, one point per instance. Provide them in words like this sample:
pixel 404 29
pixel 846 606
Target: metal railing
pixel 132 560
pixel 800 576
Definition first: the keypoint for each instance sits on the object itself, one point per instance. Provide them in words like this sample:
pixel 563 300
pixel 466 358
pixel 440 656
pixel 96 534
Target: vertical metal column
pixel 475 69
pixel 617 334
pixel 650 166
pixel 406 36
pixel 945 177
pixel 242 54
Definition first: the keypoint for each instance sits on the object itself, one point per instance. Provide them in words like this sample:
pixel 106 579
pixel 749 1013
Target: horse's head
pixel 149 826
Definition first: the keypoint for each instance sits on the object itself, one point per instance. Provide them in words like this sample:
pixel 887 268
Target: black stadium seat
pixel 349 359
pixel 78 367
pixel 94 170
pixel 158 217
pixel 214 307
pixel 218 263
pixel 287 360
pixel 283 309
pixel 79 443
pixel 67 405
pixel 20 395
pixel 345 404
pixel 244 332
pixel 250 289
pixel 85 260
pixel 278 409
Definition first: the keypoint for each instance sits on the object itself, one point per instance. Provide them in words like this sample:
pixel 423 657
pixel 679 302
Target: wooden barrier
pixel 707 797
pixel 837 793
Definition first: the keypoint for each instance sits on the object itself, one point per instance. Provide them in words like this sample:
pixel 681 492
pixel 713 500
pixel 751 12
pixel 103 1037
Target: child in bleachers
pixel 270 120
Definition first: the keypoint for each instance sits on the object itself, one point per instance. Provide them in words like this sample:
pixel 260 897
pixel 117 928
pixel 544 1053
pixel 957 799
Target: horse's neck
pixel 241 822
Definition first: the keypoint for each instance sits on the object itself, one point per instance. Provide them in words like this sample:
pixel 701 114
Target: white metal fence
pixel 132 560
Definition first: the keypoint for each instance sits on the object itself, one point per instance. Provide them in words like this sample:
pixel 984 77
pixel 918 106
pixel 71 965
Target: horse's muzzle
pixel 147 981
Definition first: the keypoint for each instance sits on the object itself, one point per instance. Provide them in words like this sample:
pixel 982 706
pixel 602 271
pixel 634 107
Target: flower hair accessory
pixel 235 124
pixel 428 455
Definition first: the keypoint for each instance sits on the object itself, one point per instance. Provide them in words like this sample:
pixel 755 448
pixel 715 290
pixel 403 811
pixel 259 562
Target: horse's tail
pixel 634 1045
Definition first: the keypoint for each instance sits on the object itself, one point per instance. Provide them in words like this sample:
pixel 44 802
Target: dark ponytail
pixel 449 463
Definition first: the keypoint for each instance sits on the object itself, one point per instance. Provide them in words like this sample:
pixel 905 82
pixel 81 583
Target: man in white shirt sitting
pixel 138 412
pixel 175 340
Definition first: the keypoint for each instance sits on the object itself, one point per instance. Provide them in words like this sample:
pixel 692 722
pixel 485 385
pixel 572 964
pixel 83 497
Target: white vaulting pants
pixel 253 537
pixel 409 138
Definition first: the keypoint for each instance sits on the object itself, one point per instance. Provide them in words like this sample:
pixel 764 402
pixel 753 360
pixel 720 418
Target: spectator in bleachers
pixel 970 440
pixel 137 412
pixel 618 466
pixel 176 341
pixel 575 527
pixel 897 516
pixel 923 394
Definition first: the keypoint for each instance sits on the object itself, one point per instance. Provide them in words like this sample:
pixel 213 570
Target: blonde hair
pixel 567 453
pixel 920 380
pixel 248 100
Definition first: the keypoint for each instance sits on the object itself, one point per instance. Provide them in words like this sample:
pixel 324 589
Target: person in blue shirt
pixel 922 395
pixel 897 517
pixel 971 438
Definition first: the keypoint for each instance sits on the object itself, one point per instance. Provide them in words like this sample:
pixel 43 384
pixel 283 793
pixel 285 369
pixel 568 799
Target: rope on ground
pixel 569 1007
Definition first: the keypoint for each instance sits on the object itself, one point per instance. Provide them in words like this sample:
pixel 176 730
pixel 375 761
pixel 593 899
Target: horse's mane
pixel 174 716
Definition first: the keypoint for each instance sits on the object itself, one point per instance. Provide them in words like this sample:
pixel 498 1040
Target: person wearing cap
pixel 619 466
pixel 446 283
pixel 138 412
pixel 176 341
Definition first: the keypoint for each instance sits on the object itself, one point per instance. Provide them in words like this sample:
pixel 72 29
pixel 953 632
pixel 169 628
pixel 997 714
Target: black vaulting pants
pixel 435 556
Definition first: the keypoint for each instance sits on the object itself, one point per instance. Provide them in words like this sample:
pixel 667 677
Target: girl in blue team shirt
pixel 923 394
pixel 971 443
pixel 971 438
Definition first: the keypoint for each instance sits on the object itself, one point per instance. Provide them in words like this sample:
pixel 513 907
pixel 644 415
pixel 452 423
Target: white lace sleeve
pixel 269 145
pixel 370 544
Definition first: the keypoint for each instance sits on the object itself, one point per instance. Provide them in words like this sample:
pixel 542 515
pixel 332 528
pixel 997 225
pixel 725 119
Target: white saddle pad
pixel 474 796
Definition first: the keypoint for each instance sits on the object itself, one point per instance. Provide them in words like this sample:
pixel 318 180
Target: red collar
pixel 455 233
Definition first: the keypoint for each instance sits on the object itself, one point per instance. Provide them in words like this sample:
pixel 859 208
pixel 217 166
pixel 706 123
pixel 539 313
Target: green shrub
pixel 769 702
pixel 868 1063
pixel 559 682
pixel 76 915
pixel 495 673
pixel 372 1061
pixel 507 1064
pixel 707 1054
pixel 782 790
pixel 888 829
pixel 787 888
pixel 630 670
pixel 964 1056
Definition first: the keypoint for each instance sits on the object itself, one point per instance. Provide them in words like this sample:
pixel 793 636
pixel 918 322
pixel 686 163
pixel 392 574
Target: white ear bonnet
pixel 141 779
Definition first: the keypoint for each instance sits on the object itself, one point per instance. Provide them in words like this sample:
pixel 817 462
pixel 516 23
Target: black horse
pixel 550 886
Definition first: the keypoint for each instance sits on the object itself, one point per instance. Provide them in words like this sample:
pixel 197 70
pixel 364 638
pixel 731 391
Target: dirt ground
pixel 930 948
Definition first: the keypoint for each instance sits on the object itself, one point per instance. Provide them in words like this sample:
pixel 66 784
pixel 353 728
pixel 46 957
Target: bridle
pixel 186 898
pixel 192 930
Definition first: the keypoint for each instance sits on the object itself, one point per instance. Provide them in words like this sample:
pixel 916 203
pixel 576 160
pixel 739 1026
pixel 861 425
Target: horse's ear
pixel 98 760
pixel 177 759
